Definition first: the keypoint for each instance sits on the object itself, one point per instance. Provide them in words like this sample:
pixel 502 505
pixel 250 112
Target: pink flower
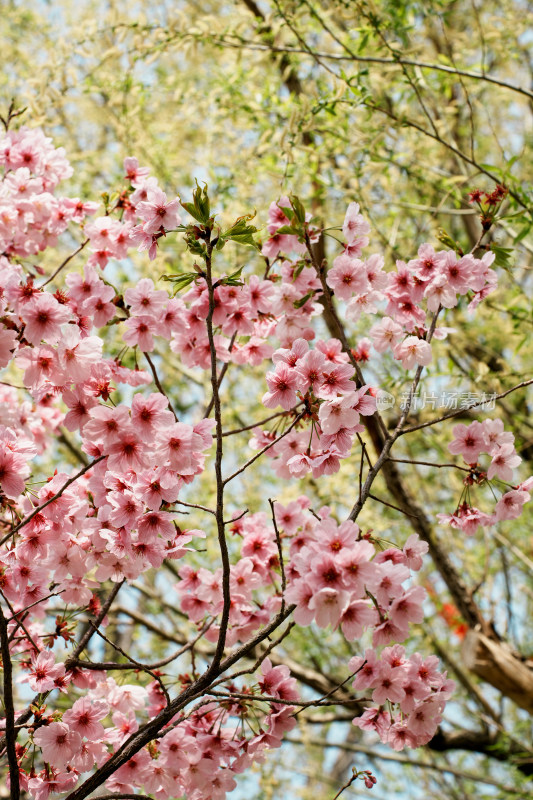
pixel 277 681
pixel 259 294
pixel 282 385
pixel 423 720
pixel 388 685
pixel 126 509
pixel 469 441
pixel 84 718
pixel 76 355
pixel 150 414
pixel 338 413
pixel 355 227
pixel 325 573
pixel 51 782
pixel 366 669
pixel 336 380
pixel 105 424
pixel 156 523
pixel 310 370
pixel 385 334
pixel 374 719
pixel 413 551
pixel 510 505
pixel 439 293
pixel 357 566
pixel 356 617
pixel 387 581
pixel 175 446
pixel 139 331
pixel 144 299
pixel 399 736
pixel 347 277
pixel 134 173
pixel 413 351
pixel 128 452
pixel 157 212
pixel 44 672
pixel 504 460
pixel 495 436
pixel 254 352
pixel 8 343
pixel 408 607
pixel 43 317
pixel 58 743
pixel 328 605
pixel 13 472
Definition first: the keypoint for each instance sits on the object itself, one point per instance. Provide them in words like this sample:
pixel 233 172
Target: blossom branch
pixel 50 500
pixel 220 483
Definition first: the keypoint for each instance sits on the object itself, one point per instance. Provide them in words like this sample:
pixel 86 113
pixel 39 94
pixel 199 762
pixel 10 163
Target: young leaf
pixel 299 210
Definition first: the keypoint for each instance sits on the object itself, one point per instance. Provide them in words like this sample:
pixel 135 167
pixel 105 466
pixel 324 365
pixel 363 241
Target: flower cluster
pixel 471 441
pixel 320 381
pixel 336 578
pixel 190 758
pixel 31 216
pixel 410 693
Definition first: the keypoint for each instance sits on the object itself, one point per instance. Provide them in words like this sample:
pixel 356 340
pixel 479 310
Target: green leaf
pixel 200 207
pixel 299 210
pixel 289 213
pixel 190 207
pixel 243 238
pixel 503 256
pixel 233 279
pixel 303 300
pixel 289 229
pixel 181 280
pixel 241 232
pixel 444 237
pixel 522 234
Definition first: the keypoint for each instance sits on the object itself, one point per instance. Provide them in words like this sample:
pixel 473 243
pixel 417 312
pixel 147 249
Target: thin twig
pixel 264 450
pixel 159 385
pixel 64 264
pixel 261 422
pixel 280 554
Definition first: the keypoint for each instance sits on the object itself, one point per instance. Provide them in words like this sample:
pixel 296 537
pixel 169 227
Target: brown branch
pixel 220 483
pixel 399 61
pixel 11 732
pixel 261 422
